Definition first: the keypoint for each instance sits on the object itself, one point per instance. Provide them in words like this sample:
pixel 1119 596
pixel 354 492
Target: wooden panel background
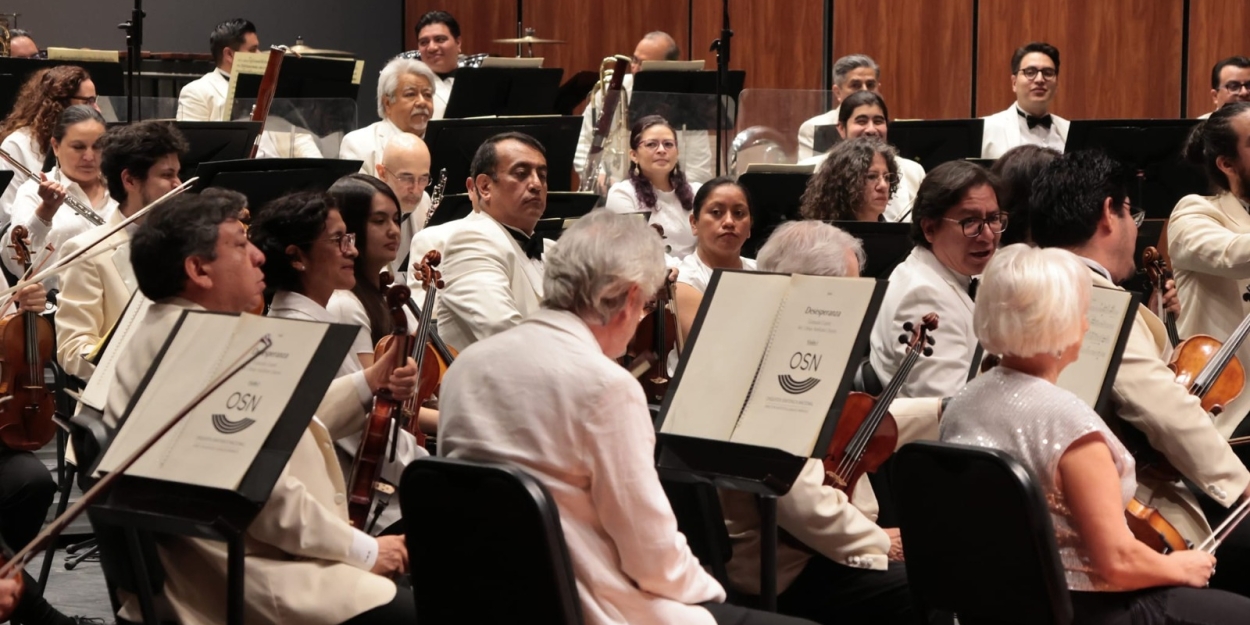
pixel 1217 30
pixel 923 49
pixel 778 43
pixel 1119 58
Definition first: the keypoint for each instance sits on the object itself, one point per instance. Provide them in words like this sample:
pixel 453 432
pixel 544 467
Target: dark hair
pixel 1036 46
pixel 1235 61
pixel 439 17
pixel 229 34
pixel 135 148
pixel 858 99
pixel 1066 203
pixel 14 33
pixel 836 191
pixel 644 191
pixel 708 187
pixel 1016 171
pixel 41 101
pixel 353 195
pixel 294 219
pixel 487 156
pixel 1212 138
pixel 177 229
pixel 943 187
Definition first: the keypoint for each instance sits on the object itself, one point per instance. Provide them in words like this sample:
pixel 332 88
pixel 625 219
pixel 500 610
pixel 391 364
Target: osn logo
pixel 224 425
pixel 795 387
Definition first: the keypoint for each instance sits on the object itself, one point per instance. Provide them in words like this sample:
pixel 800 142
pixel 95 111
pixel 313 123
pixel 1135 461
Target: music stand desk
pixel 886 244
pixel 216 141
pixel 453 142
pixel 265 179
pixel 1152 147
pixel 692 83
pixel 932 142
pixel 483 91
pixel 306 77
pixel 776 198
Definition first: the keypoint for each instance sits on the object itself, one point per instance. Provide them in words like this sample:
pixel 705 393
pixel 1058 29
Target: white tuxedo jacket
pixel 1002 132
pixel 204 99
pixel 93 296
pixel 367 144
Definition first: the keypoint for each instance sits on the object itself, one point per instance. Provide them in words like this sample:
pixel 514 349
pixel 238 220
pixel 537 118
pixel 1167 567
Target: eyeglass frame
pixel 1053 73
pixel 980 222
pixel 1240 86
pixel 668 144
pixel 890 178
pixel 346 241
pixel 416 182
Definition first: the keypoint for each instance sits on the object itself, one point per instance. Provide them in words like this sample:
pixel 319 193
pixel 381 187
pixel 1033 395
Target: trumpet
pixel 74 203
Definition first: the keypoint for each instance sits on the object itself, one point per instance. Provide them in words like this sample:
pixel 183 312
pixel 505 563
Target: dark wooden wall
pixel 1120 58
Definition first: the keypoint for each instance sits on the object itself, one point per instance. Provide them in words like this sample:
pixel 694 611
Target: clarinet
pixel 436 197
pixel 74 203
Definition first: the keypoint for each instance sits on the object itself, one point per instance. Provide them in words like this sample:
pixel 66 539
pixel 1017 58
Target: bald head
pixel 405 167
pixel 655 46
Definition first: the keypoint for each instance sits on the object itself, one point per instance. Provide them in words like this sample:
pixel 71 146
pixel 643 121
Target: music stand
pixel 306 77
pixel 684 83
pixel 1150 146
pixel 6 178
pixel 453 143
pixel 775 198
pixel 561 207
pixel 265 179
pixel 107 77
pixel 932 142
pixel 825 137
pixel 216 141
pixel 500 91
pixel 574 90
pixel 886 244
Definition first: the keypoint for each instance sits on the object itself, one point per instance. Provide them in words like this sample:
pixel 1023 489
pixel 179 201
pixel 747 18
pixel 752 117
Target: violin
pixel 27 340
pixel 381 425
pixel 1210 369
pixel 658 334
pixel 1149 526
pixel 1159 272
pixel 867 434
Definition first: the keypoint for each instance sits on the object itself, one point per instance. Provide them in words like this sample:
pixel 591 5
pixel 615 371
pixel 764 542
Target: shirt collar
pixel 927 256
pixel 299 302
pixel 1097 268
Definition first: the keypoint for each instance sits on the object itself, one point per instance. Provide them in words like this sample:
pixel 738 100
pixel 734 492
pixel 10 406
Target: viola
pixel 26 344
pixel 1158 271
pixel 1210 369
pixel 867 434
pixel 1149 526
pixel 658 333
pixel 381 426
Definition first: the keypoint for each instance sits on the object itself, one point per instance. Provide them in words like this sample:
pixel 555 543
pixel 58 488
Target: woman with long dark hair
pixel 657 185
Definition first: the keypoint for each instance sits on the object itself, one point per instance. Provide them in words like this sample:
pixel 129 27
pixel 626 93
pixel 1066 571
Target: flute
pixel 74 203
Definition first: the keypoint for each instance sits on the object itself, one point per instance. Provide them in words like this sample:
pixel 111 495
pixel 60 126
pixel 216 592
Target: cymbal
pixel 528 39
pixel 303 50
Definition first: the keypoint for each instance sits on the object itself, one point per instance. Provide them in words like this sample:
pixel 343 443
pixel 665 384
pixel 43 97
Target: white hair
pixel 599 258
pixel 809 247
pixel 1031 301
pixel 388 80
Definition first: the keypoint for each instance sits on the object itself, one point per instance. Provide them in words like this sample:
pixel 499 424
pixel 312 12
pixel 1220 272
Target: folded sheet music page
pixel 1108 309
pixel 97 391
pixel 215 444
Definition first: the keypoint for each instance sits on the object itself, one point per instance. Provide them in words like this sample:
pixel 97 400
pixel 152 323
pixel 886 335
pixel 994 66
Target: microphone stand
pixel 721 48
pixel 134 48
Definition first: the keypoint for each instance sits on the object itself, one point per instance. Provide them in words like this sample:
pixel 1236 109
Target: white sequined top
pixel 1035 421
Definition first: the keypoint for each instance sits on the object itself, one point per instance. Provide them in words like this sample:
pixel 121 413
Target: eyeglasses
pixel 346 241
pixel 87 101
pixel 409 180
pixel 972 225
pixel 873 178
pixel 1234 86
pixel 655 144
pixel 1047 73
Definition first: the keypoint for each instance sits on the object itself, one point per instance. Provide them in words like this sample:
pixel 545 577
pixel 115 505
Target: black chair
pixel 65 405
pixel 700 518
pixel 490 543
pixel 978 537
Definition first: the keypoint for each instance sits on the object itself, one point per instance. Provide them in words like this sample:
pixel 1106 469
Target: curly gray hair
pixel 598 260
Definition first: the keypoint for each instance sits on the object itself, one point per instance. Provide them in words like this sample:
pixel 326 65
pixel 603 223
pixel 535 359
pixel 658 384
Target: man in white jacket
pixel 204 99
pixel 1035 81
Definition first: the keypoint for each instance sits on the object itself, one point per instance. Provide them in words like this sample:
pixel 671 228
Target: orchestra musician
pixel 1016 171
pixel 1230 82
pixel 578 422
pixel 27 131
pixel 39 205
pixel 140 162
pixel 657 186
pixel 955 230
pixel 851 74
pixel 22 45
pixel 1088 213
pixel 721 222
pixel 204 99
pixel 305 563
pixel 835 565
pixel 493 263
pixel 438 40
pixel 435 238
pixel 1032 310
pixel 864 114
pixel 1035 81
pixel 856 181
pixel 1209 239
pixel 405 167
pixel 405 104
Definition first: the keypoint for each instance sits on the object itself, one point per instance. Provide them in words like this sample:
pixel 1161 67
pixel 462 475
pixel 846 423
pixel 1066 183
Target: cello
pixel 27 341
pixel 866 434
pixel 381 426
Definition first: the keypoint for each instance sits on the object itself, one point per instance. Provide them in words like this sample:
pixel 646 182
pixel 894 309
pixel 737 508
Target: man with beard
pixel 140 164
pixel 1035 80
pixel 405 104
pixel 405 168
pixel 1230 82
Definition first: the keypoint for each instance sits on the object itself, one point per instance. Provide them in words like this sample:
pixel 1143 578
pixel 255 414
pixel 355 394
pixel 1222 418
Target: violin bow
pixel 1218 535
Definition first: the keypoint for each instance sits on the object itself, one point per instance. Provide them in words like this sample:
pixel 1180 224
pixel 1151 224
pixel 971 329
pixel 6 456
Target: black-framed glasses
pixel 971 226
pixel 346 241
pixel 1233 86
pixel 1048 73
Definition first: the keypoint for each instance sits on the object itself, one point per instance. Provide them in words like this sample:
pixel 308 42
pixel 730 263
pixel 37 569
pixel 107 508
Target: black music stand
pixel 563 206
pixel 684 83
pixel 265 179
pixel 305 77
pixel 6 177
pixel 932 142
pixel 1152 147
pixel 825 137
pixel 574 90
pixel 886 244
pixel 453 143
pixel 775 198
pixel 216 141
pixel 107 77
pixel 482 91
pixel 164 507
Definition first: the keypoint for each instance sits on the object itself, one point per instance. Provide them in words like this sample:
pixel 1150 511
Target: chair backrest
pixel 489 545
pixel 700 518
pixel 978 536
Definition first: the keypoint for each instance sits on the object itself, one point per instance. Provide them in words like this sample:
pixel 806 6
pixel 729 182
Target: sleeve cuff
pixel 362 388
pixel 364 551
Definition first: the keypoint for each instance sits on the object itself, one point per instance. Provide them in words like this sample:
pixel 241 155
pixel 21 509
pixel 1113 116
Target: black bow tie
pixel 1044 121
pixel 972 288
pixel 532 246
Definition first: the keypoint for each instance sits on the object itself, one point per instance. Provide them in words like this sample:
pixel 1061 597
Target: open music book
pixel 770 358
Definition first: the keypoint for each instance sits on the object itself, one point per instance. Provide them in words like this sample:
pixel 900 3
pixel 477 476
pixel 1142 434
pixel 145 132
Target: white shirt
pixel 668 214
pixel 578 422
pixel 442 94
pixel 1007 129
pixel 910 175
pixel 807 132
pixel 21 146
pixel 66 224
pixel 411 223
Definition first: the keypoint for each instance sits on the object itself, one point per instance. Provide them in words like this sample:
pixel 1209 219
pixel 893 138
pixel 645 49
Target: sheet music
pixel 97 390
pixel 217 442
pixel 1107 311
pixel 83 54
pixel 358 71
pixel 253 63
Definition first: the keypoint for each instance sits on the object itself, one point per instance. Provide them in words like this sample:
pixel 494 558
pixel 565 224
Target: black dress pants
pixel 828 592
pixel 1161 606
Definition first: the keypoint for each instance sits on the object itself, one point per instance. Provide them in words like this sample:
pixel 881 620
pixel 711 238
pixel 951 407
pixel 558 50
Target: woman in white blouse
pixel 40 203
pixel 721 222
pixel 657 185
pixel 1031 308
